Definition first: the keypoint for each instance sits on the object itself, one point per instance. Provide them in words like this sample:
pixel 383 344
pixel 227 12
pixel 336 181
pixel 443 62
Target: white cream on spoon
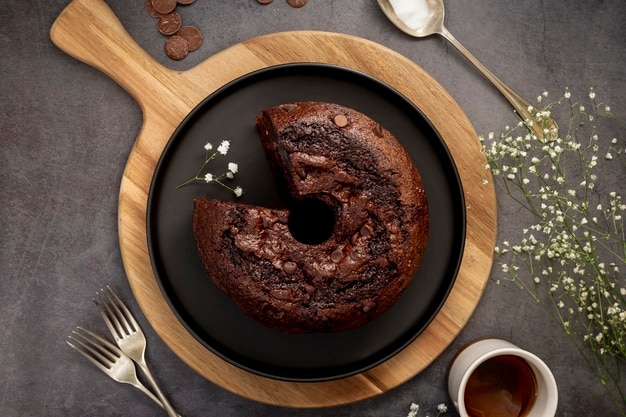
pixel 413 13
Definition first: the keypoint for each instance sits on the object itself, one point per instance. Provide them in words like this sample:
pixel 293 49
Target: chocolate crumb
pixel 264 1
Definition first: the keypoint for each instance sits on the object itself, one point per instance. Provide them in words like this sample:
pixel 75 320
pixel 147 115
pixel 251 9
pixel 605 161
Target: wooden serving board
pixel 89 31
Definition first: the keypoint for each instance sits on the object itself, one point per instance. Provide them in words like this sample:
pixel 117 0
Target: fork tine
pixel 87 355
pixel 112 349
pixel 96 353
pixel 99 352
pixel 123 309
pixel 110 317
pixel 119 314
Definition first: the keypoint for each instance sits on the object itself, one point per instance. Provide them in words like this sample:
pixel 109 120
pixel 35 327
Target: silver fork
pixel 129 337
pixel 108 358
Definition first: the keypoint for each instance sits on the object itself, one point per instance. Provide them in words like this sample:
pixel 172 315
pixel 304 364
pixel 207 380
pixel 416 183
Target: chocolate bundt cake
pixel 342 165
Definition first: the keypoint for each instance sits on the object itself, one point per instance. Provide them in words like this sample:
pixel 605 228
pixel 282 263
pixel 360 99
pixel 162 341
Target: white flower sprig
pixel 415 408
pixel 208 177
pixel 571 254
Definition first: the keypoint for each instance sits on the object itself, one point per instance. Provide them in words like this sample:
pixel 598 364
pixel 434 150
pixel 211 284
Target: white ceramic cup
pixel 477 352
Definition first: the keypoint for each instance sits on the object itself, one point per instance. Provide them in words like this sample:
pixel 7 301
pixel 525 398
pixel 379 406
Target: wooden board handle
pixel 89 31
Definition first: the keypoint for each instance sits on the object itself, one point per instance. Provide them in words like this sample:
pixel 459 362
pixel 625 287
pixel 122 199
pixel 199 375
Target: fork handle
pixel 167 406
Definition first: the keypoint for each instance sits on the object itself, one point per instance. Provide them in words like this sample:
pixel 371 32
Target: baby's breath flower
pixel 224 146
pixel 209 177
pixel 413 409
pixel 592 94
pixel 570 255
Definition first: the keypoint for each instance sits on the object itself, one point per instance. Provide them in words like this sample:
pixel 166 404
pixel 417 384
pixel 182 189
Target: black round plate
pixel 212 317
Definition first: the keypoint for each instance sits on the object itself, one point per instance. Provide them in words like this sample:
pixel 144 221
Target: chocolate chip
pixel 185 1
pixel 192 35
pixel 301 171
pixel 288 107
pixel 151 10
pixel 342 176
pixel 378 130
pixel 264 1
pixel 366 230
pixel 336 256
pixel 164 6
pixel 368 306
pixel 341 120
pixel 176 47
pixel 289 267
pixel 297 3
pixel 169 23
pixel 284 295
pixel 283 217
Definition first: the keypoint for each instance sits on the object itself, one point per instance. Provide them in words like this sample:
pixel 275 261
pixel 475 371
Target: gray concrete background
pixel 66 131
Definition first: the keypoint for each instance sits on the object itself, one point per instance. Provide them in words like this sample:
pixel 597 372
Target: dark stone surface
pixel 66 131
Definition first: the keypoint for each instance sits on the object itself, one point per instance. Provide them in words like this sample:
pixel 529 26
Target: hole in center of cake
pixel 311 221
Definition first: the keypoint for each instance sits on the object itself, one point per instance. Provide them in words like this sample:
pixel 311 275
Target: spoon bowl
pixel 544 127
pixel 433 25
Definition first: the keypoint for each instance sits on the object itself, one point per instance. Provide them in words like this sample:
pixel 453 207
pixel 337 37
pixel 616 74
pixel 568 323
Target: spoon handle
pixel 544 128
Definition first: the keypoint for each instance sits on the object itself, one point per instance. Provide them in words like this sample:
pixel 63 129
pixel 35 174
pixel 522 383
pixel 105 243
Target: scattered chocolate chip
pixel 176 47
pixel 164 6
pixel 185 1
pixel 378 131
pixel 192 35
pixel 264 1
pixel 354 238
pixel 169 23
pixel 341 120
pixel 336 256
pixel 289 267
pixel 151 10
pixel 297 3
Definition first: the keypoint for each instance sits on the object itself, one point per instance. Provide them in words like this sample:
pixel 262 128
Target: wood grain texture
pixel 89 31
